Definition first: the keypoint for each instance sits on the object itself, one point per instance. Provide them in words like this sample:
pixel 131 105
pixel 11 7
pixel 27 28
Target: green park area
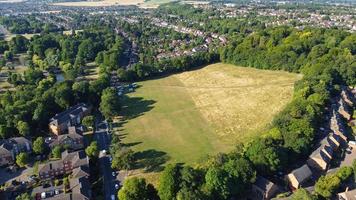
pixel 185 117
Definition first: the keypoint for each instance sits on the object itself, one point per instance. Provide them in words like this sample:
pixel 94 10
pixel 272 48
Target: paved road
pixel 103 138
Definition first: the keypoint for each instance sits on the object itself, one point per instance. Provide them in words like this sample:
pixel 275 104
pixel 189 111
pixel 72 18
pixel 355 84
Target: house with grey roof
pixel 10 148
pixel 79 187
pixel 74 140
pixel 322 156
pixel 263 189
pixel 60 123
pixel 299 176
pixel 65 165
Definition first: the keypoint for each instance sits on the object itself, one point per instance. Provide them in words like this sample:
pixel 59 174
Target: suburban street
pixel 103 139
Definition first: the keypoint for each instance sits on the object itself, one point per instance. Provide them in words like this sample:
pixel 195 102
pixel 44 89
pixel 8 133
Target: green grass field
pixel 187 116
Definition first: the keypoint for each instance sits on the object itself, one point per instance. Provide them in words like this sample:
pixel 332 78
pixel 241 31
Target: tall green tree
pixel 137 189
pixel 169 182
pixel 110 104
pixel 38 145
pixel 92 150
pixel 22 159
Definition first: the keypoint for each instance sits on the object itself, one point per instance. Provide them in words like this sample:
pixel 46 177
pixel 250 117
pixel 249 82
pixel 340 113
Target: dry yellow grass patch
pixel 238 101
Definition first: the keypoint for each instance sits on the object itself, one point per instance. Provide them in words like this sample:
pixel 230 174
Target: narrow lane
pixel 102 137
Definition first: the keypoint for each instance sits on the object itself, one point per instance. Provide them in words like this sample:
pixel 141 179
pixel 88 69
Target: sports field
pixel 187 116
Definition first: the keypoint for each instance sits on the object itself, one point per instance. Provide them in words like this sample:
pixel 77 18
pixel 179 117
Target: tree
pixel 64 95
pixel 24 196
pixel 23 128
pixel 81 90
pixel 191 194
pixel 217 183
pixel 109 105
pixel 18 44
pixel 89 121
pixel 137 189
pixel 22 159
pixel 169 182
pixel 264 155
pixel 8 55
pixel 122 74
pixel 56 152
pixel 344 173
pixel 302 194
pixel 4 131
pixel 123 159
pixel 38 145
pixel 327 185
pixel 92 150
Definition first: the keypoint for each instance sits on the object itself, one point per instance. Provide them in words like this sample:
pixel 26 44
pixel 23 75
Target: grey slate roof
pixel 71 112
pixel 302 173
pixel 77 159
pixel 263 184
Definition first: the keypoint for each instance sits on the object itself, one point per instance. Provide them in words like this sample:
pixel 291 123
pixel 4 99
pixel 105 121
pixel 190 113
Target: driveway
pixel 349 157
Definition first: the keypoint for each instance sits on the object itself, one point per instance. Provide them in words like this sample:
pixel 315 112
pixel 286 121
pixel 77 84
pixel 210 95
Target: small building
pixel 74 140
pixel 299 176
pixel 10 148
pixel 344 110
pixel 347 97
pixel 65 165
pixel 263 189
pixel 71 117
pixel 347 195
pixel 79 188
pixel 321 157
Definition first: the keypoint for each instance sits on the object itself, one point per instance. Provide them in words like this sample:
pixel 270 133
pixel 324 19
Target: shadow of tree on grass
pixel 151 160
pixel 135 107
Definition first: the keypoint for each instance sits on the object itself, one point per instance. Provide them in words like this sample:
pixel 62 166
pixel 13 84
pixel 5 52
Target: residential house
pixel 347 195
pixel 79 187
pixel 65 165
pixel 347 97
pixel 263 189
pixel 9 148
pixel 320 158
pixel 74 140
pixel 337 127
pixel 299 176
pixel 344 110
pixel 71 117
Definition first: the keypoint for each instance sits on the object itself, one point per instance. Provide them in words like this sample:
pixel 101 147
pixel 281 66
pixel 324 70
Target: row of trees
pixel 170 65
pixel 225 176
pixel 326 59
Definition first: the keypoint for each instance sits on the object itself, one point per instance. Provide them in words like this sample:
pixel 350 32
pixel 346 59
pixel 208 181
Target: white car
pixel 112 197
pixel 117 186
pixel 103 152
pixel 113 174
pixel 110 159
